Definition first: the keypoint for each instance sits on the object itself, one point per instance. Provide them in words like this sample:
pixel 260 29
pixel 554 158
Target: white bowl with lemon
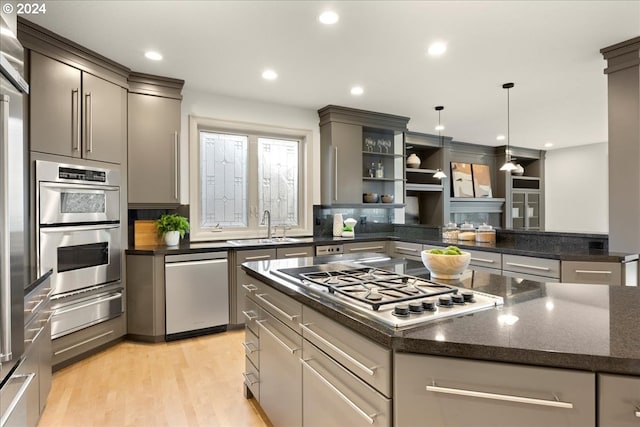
pixel 448 263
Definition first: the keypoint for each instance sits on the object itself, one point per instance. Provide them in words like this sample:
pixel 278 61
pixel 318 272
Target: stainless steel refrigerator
pixel 14 249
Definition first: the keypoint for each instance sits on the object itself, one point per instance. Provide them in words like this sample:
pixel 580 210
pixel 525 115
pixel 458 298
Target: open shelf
pixel 420 170
pixel 423 187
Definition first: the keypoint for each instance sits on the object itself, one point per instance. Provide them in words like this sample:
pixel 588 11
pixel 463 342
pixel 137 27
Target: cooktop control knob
pixel 401 310
pixel 429 304
pixel 445 301
pixel 457 299
pixel 415 307
pixel 468 296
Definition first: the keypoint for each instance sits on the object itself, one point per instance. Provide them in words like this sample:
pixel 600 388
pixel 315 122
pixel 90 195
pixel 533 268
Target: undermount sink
pixel 264 241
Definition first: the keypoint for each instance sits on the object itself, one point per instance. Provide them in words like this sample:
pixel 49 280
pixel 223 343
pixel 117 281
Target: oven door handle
pixel 88 304
pixel 64 186
pixel 78 228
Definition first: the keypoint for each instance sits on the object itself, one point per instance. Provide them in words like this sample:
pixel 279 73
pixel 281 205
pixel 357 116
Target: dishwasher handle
pixel 197 257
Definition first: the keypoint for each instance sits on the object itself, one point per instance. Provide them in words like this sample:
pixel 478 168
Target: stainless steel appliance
pixel 14 254
pixel 79 237
pixel 389 297
pixel 197 293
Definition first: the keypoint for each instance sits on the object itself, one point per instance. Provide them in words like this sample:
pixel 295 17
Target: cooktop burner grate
pixel 375 287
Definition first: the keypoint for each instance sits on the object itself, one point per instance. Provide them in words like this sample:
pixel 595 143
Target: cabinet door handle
pixel 489 261
pixel 5 248
pixel 89 121
pixel 253 258
pixel 504 397
pixel 246 378
pixel 369 418
pixel 275 337
pixel 594 272
pixel 75 115
pixel 370 371
pixel 534 267
pixel 637 413
pixel 296 254
pixel 370 248
pixel 401 248
pixel 335 173
pixel 290 317
pixel 250 287
pixel 250 315
pixel 247 346
pixel 176 164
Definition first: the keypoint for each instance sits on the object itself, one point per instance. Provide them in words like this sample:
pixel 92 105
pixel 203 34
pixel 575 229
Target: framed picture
pixel 461 179
pixel 481 180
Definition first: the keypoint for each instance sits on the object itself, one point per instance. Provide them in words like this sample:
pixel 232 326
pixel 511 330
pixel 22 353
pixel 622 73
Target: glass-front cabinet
pixel 382 167
pixel 525 210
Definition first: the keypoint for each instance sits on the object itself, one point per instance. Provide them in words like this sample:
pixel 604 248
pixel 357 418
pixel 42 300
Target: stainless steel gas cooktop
pixel 395 299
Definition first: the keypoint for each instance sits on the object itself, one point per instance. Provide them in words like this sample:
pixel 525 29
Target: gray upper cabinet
pixel 345 160
pixel 154 132
pixel 74 113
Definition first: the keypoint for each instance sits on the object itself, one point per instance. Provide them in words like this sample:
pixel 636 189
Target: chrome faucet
pixel 266 214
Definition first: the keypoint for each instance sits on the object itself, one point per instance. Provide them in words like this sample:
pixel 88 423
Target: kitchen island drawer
pixel 369 361
pixel 492 394
pixel 530 265
pixel 333 396
pixel 485 259
pixel 251 346
pixel 251 376
pixel 251 314
pixel 281 306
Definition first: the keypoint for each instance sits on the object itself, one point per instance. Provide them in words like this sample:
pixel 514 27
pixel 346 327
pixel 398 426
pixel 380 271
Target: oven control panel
pixel 82 174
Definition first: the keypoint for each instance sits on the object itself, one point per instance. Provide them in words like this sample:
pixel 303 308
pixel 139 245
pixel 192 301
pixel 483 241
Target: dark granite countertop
pixel 587 327
pixel 534 247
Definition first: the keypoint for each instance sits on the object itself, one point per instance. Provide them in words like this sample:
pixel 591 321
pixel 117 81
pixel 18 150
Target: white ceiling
pixel 549 49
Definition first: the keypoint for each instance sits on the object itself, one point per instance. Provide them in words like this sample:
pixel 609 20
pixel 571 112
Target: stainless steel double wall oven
pixel 79 237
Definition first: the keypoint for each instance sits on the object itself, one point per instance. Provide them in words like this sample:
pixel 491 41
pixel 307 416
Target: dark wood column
pixel 623 71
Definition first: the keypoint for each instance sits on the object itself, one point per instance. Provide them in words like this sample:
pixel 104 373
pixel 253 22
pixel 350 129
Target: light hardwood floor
pixel 191 382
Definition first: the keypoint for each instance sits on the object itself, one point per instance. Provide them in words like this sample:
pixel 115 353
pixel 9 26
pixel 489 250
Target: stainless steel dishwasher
pixel 197 294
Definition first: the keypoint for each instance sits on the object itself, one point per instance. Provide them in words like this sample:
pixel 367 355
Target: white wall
pixel 576 189
pixel 202 104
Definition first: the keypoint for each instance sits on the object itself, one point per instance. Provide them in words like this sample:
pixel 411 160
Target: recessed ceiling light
pixel 548 144
pixel 357 90
pixel 328 17
pixel 269 75
pixel 439 127
pixel 500 137
pixel 154 56
pixel 437 48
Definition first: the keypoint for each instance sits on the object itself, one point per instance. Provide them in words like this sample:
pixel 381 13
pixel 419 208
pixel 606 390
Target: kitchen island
pixel 552 354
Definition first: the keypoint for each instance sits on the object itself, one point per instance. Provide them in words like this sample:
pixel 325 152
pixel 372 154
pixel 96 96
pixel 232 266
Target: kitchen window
pixel 239 170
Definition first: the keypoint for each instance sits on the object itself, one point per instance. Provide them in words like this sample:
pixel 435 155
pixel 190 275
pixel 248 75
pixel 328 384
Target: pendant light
pixel 439 174
pixel 508 164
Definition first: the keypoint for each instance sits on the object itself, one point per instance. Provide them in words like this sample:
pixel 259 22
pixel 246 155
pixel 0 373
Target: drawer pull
pixel 637 413
pixel 489 261
pixel 369 248
pixel 250 315
pixel 248 345
pixel 275 337
pixel 370 371
pixel 253 258
pixel 246 378
pixel 18 397
pixel 81 343
pixel 533 267
pixel 284 313
pixel 505 397
pixel 402 248
pixel 363 414
pixel 250 287
pixel 297 254
pixel 594 272
pixel 32 340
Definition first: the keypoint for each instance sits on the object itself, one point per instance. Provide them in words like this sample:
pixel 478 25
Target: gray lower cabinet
pixel 294 252
pixel 146 297
pixel 605 273
pixel 405 250
pixel 440 391
pixel 154 163
pixel 526 267
pixel 74 113
pixel 490 262
pixel 618 401
pixel 333 396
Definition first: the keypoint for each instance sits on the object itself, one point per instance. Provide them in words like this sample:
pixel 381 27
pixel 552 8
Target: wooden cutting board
pixel 145 233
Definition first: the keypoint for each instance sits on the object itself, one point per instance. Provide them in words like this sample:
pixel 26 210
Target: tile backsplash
pixel 370 220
